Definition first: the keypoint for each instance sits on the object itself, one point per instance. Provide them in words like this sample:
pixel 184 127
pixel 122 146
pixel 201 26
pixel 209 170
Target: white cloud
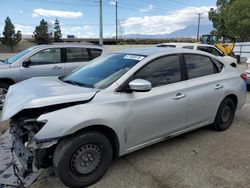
pixel 56 13
pixel 79 31
pixel 20 11
pixel 25 29
pixel 112 2
pixel 147 9
pixel 168 23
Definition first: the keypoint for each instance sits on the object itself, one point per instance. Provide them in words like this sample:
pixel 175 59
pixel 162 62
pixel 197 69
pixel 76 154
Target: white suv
pixel 202 47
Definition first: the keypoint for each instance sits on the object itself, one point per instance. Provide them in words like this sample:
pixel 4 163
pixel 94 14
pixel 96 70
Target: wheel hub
pixel 86 159
pixel 225 115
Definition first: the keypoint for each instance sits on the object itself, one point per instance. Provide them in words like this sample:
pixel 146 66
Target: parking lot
pixel 201 158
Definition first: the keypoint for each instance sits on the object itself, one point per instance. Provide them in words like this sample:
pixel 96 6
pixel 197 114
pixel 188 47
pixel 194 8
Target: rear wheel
pixel 3 91
pixel 225 115
pixel 83 159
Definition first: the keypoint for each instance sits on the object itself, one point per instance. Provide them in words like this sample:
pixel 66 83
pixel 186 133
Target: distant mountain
pixel 188 32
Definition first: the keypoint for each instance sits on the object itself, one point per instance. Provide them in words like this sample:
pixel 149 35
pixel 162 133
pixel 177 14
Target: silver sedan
pixel 117 104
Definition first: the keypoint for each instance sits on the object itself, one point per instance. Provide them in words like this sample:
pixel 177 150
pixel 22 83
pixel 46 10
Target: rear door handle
pixel 218 86
pixel 57 67
pixel 179 96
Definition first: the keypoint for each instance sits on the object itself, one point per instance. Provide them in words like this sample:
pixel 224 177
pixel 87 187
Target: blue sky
pixel 81 17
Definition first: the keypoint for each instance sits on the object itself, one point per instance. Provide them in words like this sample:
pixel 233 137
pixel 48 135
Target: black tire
pixel 4 86
pixel 69 150
pixel 225 115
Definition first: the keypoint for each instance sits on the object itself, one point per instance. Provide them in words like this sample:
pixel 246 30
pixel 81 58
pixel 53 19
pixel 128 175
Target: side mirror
pixel 26 63
pixel 140 85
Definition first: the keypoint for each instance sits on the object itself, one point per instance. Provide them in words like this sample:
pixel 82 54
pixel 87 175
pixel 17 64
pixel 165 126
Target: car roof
pixel 157 50
pixel 181 44
pixel 68 44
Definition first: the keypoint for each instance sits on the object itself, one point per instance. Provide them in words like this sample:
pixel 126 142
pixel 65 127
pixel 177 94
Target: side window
pixel 198 65
pixel 48 56
pixel 95 53
pixel 214 51
pixel 77 54
pixel 218 65
pixel 188 47
pixel 162 71
pixel 204 49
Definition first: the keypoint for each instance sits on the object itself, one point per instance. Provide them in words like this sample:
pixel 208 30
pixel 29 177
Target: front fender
pixel 67 121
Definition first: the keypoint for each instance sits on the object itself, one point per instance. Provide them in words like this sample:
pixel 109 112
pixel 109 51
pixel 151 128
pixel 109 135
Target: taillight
pixel 243 76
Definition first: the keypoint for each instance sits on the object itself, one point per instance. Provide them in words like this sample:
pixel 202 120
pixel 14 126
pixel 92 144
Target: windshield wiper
pixel 78 83
pixel 70 82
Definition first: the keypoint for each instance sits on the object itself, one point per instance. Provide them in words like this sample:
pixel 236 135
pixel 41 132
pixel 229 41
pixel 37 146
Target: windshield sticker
pixel 134 57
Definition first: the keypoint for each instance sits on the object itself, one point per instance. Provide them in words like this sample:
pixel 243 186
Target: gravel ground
pixel 202 158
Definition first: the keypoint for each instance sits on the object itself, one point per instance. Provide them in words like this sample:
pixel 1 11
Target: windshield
pixel 18 55
pixel 104 71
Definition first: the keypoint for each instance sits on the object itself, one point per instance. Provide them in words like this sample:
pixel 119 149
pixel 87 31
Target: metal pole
pixel 116 22
pixel 101 25
pixel 198 29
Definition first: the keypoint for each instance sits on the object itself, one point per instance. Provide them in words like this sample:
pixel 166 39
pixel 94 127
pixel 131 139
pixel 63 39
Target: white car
pixel 117 104
pixel 202 47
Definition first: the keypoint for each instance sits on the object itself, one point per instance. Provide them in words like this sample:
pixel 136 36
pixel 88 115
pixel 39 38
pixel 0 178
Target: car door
pixel 76 57
pixel 205 88
pixel 162 110
pixel 46 62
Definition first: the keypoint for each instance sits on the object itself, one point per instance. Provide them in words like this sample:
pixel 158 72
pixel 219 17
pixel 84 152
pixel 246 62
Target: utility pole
pixel 100 22
pixel 116 23
pixel 198 29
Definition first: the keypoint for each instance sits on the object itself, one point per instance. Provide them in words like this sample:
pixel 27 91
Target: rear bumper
pixel 248 77
pixel 248 80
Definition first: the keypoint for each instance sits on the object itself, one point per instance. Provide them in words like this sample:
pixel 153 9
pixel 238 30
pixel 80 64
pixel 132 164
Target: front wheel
pixel 82 160
pixel 225 115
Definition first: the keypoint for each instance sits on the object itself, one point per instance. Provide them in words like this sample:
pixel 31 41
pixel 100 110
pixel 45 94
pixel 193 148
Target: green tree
pixel 231 19
pixel 10 37
pixel 57 32
pixel 217 16
pixel 41 34
pixel 238 20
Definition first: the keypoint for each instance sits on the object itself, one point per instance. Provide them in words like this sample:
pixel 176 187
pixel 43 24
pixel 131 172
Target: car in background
pixel 117 104
pixel 45 60
pixel 202 47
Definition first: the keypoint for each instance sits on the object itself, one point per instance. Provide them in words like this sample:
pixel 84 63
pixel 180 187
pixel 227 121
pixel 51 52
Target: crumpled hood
pixel 40 92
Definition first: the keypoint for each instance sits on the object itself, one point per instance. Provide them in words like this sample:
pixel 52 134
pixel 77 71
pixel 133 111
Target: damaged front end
pixel 30 154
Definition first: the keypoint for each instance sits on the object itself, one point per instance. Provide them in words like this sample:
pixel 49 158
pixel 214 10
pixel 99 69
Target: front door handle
pixel 57 67
pixel 218 86
pixel 179 96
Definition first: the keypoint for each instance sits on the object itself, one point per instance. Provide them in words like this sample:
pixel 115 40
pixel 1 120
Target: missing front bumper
pixel 7 176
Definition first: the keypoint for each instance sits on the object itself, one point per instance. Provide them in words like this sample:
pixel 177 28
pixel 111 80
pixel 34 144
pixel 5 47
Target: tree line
pixel 42 35
pixel 231 19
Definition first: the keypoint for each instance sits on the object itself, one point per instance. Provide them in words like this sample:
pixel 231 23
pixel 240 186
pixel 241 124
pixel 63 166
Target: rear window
pixel 95 52
pixel 199 65
pixel 218 65
pixel 166 45
pixel 77 55
pixel 188 47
